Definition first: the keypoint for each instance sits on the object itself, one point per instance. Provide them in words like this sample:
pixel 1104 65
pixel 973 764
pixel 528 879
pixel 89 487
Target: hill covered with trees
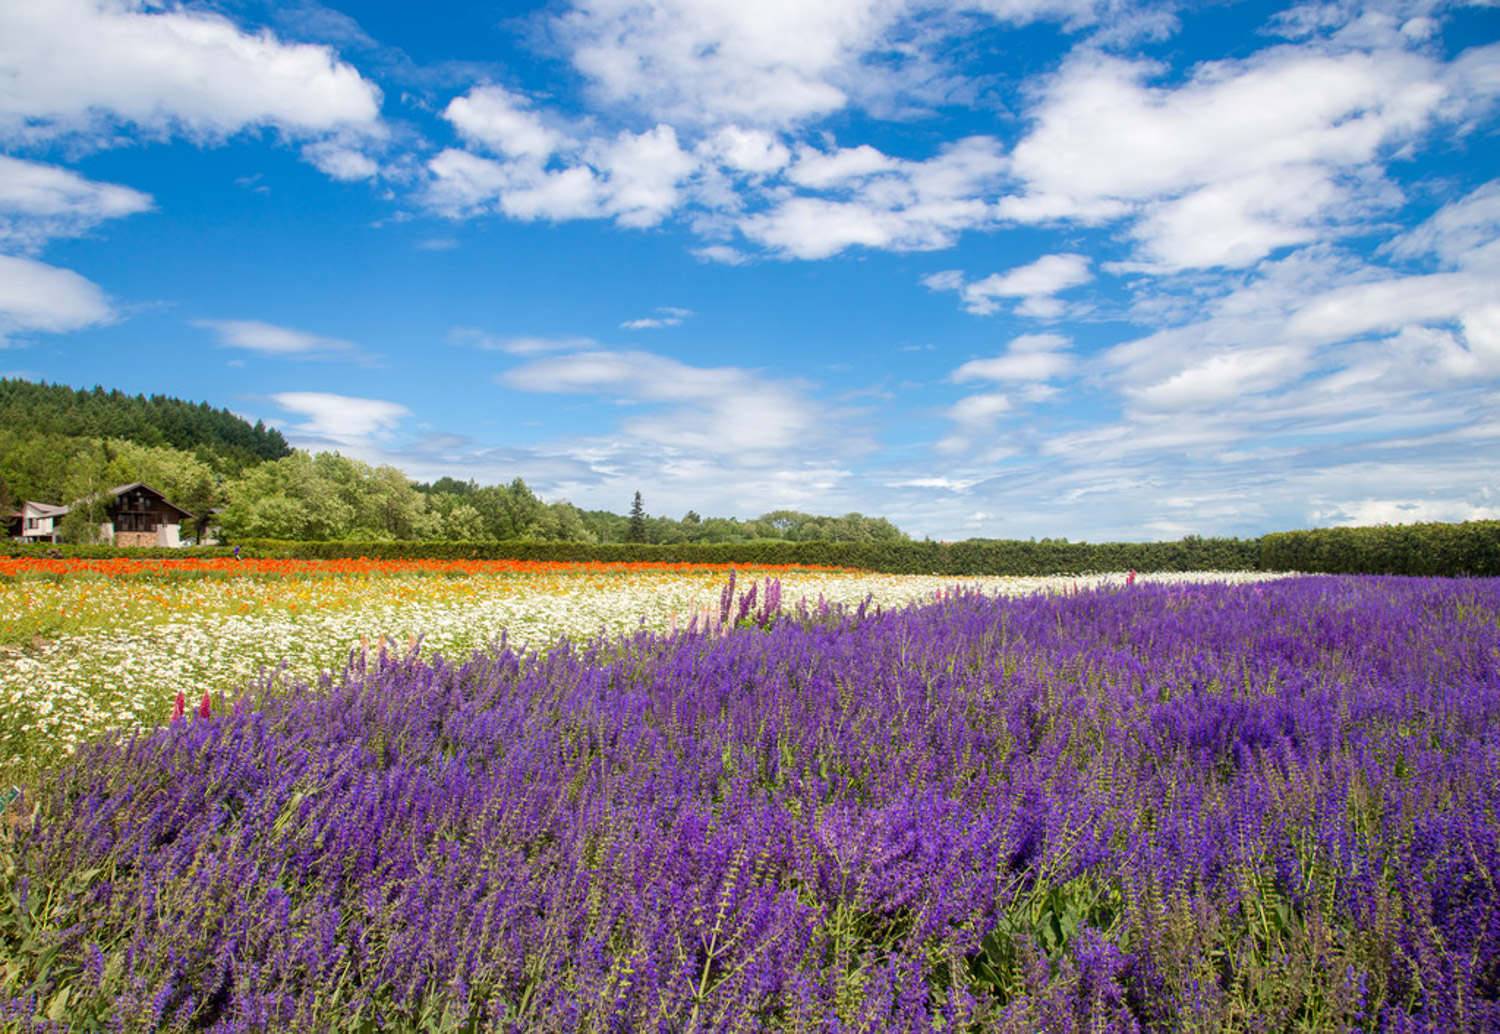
pixel 62 444
pixel 217 436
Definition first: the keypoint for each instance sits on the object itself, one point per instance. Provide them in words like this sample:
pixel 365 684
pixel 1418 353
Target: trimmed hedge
pixel 1472 549
pixel 10 547
pixel 991 556
pixel 996 556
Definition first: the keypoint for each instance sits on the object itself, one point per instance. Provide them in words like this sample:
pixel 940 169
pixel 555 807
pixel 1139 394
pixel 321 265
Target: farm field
pixel 1167 807
pixel 92 645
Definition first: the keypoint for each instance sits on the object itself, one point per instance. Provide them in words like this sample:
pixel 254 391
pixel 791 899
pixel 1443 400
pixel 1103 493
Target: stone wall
pixel 135 538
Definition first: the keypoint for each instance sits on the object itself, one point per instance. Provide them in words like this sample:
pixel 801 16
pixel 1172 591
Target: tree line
pixel 65 446
pixel 218 437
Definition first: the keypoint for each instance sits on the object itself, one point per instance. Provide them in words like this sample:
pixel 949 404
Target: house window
pixel 31 522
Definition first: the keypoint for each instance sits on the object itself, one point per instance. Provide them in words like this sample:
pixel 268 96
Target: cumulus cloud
pixel 1025 367
pixel 1244 158
pixel 1030 357
pixel 693 62
pixel 974 418
pixel 722 61
pixel 634 178
pixel 753 151
pixel 504 123
pixel 875 201
pixel 36 297
pixel 39 202
pixel 1034 286
pixel 730 88
pixel 81 68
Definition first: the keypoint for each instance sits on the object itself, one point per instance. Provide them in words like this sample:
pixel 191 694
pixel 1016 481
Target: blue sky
pixel 1083 268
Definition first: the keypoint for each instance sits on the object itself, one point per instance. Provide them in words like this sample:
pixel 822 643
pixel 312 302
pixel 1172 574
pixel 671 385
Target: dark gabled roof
pixel 120 490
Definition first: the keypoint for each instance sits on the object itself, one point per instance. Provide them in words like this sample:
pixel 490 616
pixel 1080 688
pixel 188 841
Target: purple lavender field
pixel 1268 808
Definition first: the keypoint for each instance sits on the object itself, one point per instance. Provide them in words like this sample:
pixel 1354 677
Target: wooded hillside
pixel 226 441
pixel 62 444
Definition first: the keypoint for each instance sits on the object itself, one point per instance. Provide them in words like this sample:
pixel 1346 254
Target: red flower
pixel 179 707
pixel 205 706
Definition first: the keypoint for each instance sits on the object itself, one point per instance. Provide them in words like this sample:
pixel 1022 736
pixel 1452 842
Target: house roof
pixel 120 490
pixel 43 509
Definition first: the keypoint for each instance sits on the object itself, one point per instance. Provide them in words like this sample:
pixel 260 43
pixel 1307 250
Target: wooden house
pixel 134 515
pixel 139 515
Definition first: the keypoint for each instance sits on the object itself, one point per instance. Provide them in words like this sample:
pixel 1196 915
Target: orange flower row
pixel 122 567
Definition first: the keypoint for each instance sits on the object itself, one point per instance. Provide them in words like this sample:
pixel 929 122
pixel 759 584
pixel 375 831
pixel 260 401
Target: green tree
pixel 462 523
pixel 180 476
pixel 291 498
pixel 637 530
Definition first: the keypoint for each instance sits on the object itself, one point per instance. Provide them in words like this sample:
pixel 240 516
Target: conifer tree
pixel 637 530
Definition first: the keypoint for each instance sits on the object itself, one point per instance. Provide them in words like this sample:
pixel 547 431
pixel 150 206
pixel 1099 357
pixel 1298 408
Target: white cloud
pixel 340 421
pixel 641 174
pixel 84 66
pixel 1465 232
pixel 697 62
pixel 631 177
pixel 1390 303
pixel 667 316
pixel 753 151
pixel 505 123
pixel 1030 357
pixel 1365 512
pixel 956 485
pixel 39 202
pixel 272 340
pixel 37 297
pixel 1244 158
pixel 721 253
pixel 715 411
pixel 519 345
pixel 341 160
pixel 894 204
pixel 975 418
pixel 779 63
pixel 1223 377
pixel 1033 284
pixel 822 170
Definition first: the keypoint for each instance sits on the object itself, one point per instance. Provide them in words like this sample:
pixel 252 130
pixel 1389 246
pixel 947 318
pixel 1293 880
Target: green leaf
pixel 59 1005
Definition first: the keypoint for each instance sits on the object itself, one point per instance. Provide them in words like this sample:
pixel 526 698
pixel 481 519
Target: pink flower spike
pixel 205 706
pixel 179 706
pixel 1130 578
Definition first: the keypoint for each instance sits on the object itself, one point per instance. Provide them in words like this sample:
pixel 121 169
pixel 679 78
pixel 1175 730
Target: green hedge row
pixel 10 547
pixel 956 558
pixel 1472 548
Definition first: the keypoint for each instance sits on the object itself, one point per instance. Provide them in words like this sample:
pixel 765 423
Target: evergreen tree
pixel 637 529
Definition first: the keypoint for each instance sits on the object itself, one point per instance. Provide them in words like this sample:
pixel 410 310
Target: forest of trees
pixel 217 436
pixel 60 445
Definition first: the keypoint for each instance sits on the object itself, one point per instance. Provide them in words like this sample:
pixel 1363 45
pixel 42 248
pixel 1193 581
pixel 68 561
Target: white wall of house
pixel 37 526
pixel 169 535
